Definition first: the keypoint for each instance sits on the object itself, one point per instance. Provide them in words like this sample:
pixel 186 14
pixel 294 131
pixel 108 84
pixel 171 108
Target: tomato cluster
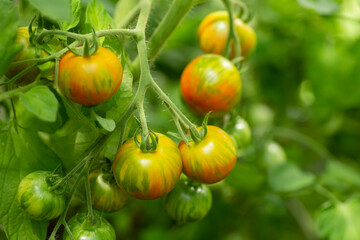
pixel 210 83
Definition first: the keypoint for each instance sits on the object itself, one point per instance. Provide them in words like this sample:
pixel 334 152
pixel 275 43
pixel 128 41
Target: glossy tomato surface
pixel 188 201
pixel 148 175
pixel 211 83
pixel 105 193
pixel 83 230
pixel 213 33
pixel 211 159
pixel 35 198
pixel 91 80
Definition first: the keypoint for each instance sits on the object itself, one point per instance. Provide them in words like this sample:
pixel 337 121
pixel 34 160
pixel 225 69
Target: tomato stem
pixel 90 217
pixel 232 34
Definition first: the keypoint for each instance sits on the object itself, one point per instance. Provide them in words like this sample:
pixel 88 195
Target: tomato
pixel 81 229
pixel 90 80
pixel 105 194
pixel 148 175
pixel 273 155
pixel 260 115
pixel 211 159
pixel 240 132
pixel 188 201
pixel 213 33
pixel 211 83
pixel 28 52
pixel 35 198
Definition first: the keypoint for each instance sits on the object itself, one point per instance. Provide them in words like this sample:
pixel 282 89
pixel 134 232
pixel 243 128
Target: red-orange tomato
pixel 150 175
pixel 213 33
pixel 211 159
pixel 211 83
pixel 90 80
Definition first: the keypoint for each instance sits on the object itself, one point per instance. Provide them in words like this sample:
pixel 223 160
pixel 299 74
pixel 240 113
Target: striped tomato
pixel 211 83
pixel 211 159
pixel 90 80
pixel 105 194
pixel 213 33
pixel 82 229
pixel 188 201
pixel 35 198
pixel 148 175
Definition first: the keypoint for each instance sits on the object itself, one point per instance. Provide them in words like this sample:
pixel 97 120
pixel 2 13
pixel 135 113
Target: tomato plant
pixel 211 83
pixel 90 80
pixel 213 33
pixel 105 194
pixel 103 77
pixel 37 200
pixel 82 228
pixel 148 175
pixel 28 52
pixel 211 159
pixel 188 201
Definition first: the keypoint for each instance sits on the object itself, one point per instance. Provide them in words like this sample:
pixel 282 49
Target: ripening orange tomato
pixel 213 33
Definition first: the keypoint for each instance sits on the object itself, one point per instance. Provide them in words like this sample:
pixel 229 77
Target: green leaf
pixel 98 18
pixel 340 220
pixel 41 102
pixel 28 120
pixel 72 140
pixel 21 153
pixel 54 9
pixel 107 124
pixel 320 6
pixel 287 177
pixel 8 25
pixel 75 16
pixel 123 7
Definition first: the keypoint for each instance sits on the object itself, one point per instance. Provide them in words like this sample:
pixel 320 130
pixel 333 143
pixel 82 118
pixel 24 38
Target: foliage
pixel 296 175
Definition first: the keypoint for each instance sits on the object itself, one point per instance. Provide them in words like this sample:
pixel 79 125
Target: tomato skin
pixel 240 132
pixel 148 176
pixel 28 52
pixel 105 194
pixel 211 83
pixel 35 198
pixel 210 160
pixel 188 201
pixel 101 230
pixel 213 33
pixel 92 80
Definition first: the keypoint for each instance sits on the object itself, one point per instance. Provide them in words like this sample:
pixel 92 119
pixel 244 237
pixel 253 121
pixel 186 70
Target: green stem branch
pixel 232 33
pixel 17 91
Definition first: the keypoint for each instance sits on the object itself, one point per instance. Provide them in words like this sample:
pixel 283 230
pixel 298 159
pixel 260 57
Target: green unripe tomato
pixel 273 155
pixel 82 229
pixel 240 132
pixel 106 195
pixel 260 115
pixel 35 198
pixel 188 201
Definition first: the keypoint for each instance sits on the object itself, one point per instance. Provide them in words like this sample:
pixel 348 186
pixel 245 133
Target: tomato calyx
pixel 52 180
pixel 196 135
pixel 87 50
pixel 148 142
